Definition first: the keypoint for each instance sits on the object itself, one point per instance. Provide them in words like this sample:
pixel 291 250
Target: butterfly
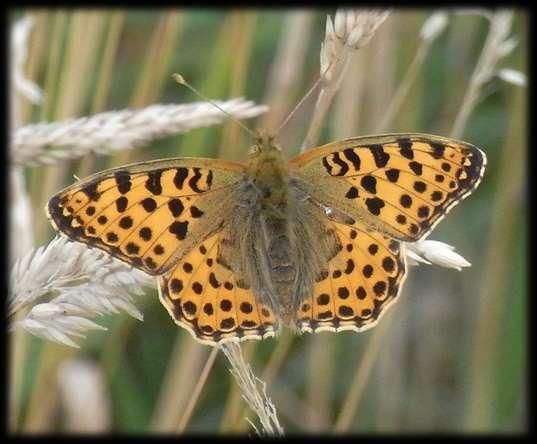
pixel 315 243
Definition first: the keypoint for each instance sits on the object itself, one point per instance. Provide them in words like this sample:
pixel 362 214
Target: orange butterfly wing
pixel 209 300
pixel 399 184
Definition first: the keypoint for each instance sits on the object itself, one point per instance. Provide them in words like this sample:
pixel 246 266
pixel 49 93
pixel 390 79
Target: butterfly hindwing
pixel 400 184
pixel 210 301
pixel 360 282
pixel 149 214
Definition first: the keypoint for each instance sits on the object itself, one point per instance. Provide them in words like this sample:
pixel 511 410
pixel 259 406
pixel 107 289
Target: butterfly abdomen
pixel 280 257
pixel 275 251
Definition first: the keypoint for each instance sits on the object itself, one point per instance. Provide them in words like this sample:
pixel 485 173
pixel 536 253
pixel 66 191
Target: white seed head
pixel 434 26
pixel 513 76
pixel 436 252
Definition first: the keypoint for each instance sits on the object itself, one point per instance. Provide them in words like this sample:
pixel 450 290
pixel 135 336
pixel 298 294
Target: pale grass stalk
pixel 108 132
pixel 277 358
pixel 21 237
pixel 84 34
pixel 81 44
pixel 37 51
pixel 296 411
pixel 156 69
pixel 186 361
pixel 350 31
pixel 111 356
pixel 58 23
pixel 363 371
pixel 20 33
pixel 85 397
pixel 44 398
pixel 390 405
pixel 215 81
pixel 348 111
pixel 285 72
pixel 430 30
pixel 21 234
pixel 106 66
pixel 231 420
pixel 187 415
pixel 15 357
pixel 241 39
pixel 104 82
pixel 253 391
pixel 320 383
pixel 381 73
pixel 510 199
pixel 497 45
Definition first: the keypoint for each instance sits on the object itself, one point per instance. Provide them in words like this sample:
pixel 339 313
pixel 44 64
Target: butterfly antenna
pixel 180 79
pixel 298 105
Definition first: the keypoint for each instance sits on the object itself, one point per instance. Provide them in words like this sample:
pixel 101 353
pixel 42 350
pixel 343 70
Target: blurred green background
pixel 449 357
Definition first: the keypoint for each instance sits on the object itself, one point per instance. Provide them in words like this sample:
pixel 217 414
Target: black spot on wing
pixel 342 164
pixel 369 183
pixel 90 190
pixel 180 176
pixel 209 179
pixel 195 212
pixel 392 174
pixel 380 156
pixel 176 207
pixel 374 205
pixel 149 204
pixel 121 204
pixel 180 229
pixel 123 181
pixel 405 146
pixel 352 193
pixel 351 155
pixel 327 166
pixel 416 168
pixel 153 182
pixel 193 182
pixel 437 150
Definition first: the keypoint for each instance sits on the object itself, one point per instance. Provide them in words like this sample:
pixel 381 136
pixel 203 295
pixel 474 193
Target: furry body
pixel 283 244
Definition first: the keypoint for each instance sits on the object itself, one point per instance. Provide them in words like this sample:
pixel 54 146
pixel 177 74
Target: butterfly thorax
pixel 268 172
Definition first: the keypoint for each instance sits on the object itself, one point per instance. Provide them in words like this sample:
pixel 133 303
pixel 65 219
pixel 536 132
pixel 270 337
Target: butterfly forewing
pixel 148 215
pixel 399 184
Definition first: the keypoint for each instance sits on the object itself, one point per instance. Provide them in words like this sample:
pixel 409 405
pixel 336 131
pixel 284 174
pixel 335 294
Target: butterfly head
pixel 264 143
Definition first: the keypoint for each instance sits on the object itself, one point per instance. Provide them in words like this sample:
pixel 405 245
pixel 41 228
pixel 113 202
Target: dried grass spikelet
pixel 107 132
pixel 498 45
pixel 350 31
pixel 431 29
pixel 253 391
pixel 66 284
pixel 434 252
